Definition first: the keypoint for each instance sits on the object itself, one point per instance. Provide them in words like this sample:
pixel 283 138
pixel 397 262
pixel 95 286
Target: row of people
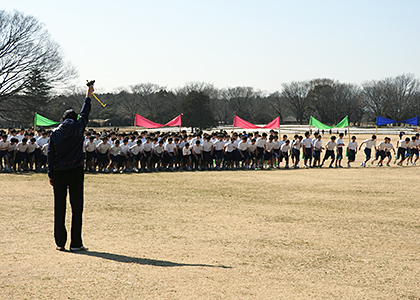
pixel 152 152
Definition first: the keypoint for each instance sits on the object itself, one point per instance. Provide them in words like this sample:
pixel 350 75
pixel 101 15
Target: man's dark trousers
pixel 73 180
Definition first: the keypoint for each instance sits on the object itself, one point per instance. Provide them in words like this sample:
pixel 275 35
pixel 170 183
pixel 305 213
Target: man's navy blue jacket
pixel 65 149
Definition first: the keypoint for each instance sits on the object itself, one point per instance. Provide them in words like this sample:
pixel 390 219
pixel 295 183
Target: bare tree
pixel 242 101
pixel 25 46
pixel 277 102
pixel 295 95
pixel 392 97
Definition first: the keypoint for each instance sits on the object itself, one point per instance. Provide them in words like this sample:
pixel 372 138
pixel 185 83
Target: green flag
pixel 43 121
pixel 317 124
pixel 343 123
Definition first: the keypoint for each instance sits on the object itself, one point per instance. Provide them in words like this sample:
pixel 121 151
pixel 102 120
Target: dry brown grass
pixel 288 234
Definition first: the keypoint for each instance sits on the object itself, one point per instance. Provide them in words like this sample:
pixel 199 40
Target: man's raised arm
pixel 84 113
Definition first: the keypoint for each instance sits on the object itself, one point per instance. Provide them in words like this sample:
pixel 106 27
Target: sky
pixel 261 44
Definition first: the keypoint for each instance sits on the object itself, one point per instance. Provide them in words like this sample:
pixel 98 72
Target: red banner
pixel 241 123
pixel 143 122
pixel 273 124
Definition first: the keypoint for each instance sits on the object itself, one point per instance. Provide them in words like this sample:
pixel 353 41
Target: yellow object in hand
pixel 103 105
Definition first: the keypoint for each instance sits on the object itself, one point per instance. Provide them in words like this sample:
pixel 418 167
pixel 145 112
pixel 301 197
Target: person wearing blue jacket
pixel 65 171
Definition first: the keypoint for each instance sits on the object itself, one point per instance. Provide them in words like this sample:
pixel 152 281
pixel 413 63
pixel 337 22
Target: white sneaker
pixel 82 248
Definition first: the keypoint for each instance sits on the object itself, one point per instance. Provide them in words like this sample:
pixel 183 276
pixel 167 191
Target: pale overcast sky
pixel 231 43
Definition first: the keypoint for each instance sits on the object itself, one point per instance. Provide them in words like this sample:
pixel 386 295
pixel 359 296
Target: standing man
pixel 65 170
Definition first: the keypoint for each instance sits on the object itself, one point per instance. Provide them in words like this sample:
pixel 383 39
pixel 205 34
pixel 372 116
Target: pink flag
pixel 143 122
pixel 273 124
pixel 174 122
pixel 241 123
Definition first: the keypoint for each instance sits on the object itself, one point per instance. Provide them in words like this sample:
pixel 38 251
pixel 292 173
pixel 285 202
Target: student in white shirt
pixel 135 155
pixel 113 154
pixel 158 155
pixel 285 150
pixel 296 146
pixel 308 149
pixel 218 151
pixel 388 152
pixel 370 143
pixel 352 151
pixel 178 153
pixel 90 151
pixel 186 156
pixel 31 154
pixel 268 152
pixel 402 151
pixel 243 151
pixel 261 149
pixel 4 157
pixel 197 155
pixel 132 141
pixel 42 140
pixel 102 151
pixel 276 151
pixel 329 151
pixel 317 144
pixel 147 153
pixel 42 162
pixel 170 153
pixel 229 153
pixel 414 151
pixel 417 143
pixel 21 135
pixel 252 150
pixel 382 147
pixel 97 139
pixel 21 154
pixel 340 147
pixel 207 152
pixel 123 156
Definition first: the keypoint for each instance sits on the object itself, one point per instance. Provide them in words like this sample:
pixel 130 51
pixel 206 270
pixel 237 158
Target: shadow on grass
pixel 144 261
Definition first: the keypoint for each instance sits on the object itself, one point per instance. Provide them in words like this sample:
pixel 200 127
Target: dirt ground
pixel 279 234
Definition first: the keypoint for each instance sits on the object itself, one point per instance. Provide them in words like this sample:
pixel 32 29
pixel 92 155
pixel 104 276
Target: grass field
pixel 280 234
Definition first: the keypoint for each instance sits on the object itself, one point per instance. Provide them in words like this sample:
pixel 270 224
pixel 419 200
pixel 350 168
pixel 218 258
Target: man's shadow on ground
pixel 144 261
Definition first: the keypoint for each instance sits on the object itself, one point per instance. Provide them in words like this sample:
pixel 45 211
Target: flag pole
pixel 233 126
pixel 34 122
pixel 348 127
pixel 376 130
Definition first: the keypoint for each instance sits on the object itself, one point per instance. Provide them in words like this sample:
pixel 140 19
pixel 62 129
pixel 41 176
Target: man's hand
pixel 51 182
pixel 90 91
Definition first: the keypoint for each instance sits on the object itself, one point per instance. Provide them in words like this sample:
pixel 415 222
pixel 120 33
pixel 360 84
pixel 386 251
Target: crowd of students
pixel 116 152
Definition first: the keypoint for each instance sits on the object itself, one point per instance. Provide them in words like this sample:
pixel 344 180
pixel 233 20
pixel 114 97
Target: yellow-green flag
pixel 43 121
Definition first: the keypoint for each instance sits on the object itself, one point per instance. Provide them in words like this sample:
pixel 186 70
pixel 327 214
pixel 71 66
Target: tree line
pixel 204 106
pixel 31 64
